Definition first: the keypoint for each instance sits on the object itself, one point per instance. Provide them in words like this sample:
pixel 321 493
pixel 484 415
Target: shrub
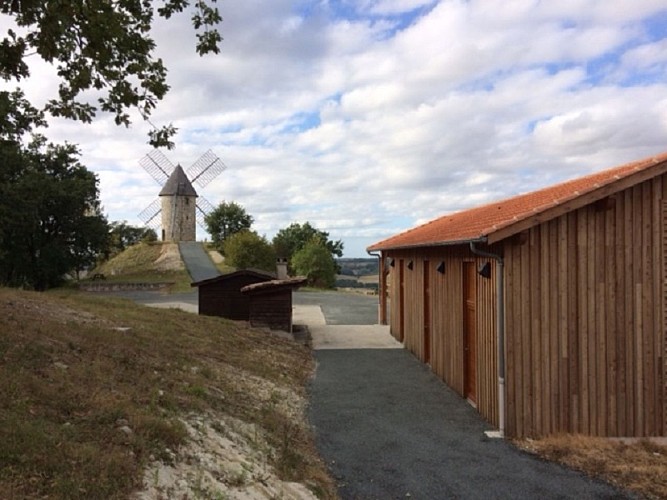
pixel 246 249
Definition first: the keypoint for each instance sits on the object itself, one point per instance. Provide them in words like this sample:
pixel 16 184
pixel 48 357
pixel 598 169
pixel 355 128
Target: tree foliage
pixel 227 219
pixel 50 218
pixel 315 262
pixel 123 235
pixel 17 117
pixel 102 48
pixel 247 249
pixel 294 237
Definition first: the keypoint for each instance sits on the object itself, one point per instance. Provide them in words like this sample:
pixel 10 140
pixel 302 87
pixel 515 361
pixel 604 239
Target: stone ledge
pixel 119 287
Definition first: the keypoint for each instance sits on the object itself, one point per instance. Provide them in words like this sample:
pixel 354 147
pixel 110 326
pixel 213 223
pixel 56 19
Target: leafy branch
pixel 102 46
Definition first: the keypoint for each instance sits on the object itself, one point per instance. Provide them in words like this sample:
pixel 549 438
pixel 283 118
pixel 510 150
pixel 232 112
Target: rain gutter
pixel 500 331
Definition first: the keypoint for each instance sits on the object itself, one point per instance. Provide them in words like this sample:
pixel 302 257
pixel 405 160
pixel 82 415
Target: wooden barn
pixel 271 302
pixel 221 296
pixel 546 310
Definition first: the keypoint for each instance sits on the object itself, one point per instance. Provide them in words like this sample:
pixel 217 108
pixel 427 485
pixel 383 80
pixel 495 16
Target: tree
pixel 91 241
pixel 246 249
pixel 123 235
pixel 315 262
pixel 50 217
pixel 102 48
pixel 293 238
pixel 227 219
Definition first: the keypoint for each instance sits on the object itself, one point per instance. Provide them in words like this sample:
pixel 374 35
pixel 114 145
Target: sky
pixel 368 117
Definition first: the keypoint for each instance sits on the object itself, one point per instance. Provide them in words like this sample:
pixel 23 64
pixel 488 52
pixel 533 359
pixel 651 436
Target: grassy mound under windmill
pixel 146 262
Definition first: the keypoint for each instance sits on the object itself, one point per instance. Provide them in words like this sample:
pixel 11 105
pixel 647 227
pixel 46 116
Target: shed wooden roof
pixel 501 219
pixel 274 285
pixel 255 273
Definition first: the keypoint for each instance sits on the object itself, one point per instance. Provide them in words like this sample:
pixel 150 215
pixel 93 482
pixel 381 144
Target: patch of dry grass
pixel 93 389
pixel 154 262
pixel 640 467
pixel 138 258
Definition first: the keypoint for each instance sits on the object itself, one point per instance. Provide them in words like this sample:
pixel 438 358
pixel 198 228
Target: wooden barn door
pixel 427 315
pixel 469 332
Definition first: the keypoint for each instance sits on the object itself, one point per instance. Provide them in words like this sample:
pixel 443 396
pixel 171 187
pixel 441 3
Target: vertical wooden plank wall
pixel 446 300
pixel 586 315
pixel 393 284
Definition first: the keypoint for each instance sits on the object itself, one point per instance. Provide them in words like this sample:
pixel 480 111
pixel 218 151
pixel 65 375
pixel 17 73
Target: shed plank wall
pixel 224 298
pixel 446 318
pixel 585 325
pixel 273 310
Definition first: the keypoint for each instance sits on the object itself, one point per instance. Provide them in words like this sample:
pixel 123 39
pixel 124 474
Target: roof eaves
pixel 443 243
pixel 240 272
pixel 274 285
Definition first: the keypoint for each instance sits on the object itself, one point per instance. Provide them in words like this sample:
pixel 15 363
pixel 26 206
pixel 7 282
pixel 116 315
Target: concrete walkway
pixel 197 262
pixel 326 336
pixel 184 306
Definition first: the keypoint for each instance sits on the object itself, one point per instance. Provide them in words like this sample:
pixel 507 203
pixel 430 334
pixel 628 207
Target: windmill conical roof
pixel 178 184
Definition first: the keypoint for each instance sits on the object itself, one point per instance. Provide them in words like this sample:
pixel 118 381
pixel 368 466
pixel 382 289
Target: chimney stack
pixel 281 268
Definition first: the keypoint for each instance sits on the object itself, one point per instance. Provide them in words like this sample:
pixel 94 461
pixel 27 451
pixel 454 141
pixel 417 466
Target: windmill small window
pixel 176 186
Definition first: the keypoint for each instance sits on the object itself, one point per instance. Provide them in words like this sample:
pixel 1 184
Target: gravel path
pixel 389 428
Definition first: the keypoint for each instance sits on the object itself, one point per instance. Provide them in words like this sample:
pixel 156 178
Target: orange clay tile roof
pixel 478 223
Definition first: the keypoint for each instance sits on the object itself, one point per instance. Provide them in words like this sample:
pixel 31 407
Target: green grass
pixel 77 369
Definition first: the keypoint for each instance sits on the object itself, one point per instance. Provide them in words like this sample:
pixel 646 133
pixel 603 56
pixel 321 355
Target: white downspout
pixel 500 327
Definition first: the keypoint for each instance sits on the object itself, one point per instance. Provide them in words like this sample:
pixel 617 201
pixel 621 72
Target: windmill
pixel 178 202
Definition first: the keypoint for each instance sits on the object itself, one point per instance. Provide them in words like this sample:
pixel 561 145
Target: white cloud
pixel 366 121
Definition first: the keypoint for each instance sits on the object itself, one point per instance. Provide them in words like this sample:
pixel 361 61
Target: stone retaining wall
pixel 120 287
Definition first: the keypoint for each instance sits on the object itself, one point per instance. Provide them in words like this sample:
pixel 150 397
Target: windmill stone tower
pixel 179 200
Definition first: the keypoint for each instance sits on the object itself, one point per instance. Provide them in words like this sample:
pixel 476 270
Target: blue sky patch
pixel 300 122
pixel 656 26
pixel 352 10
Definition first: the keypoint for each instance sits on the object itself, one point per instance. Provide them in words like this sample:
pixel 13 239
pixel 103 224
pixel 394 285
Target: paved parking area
pixel 342 308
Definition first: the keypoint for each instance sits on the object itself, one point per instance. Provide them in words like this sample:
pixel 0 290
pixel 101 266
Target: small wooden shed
pixel 271 302
pixel 547 311
pixel 221 296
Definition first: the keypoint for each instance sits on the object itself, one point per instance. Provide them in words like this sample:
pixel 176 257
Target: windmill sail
pixel 207 168
pixel 204 207
pixel 157 165
pixel 149 215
